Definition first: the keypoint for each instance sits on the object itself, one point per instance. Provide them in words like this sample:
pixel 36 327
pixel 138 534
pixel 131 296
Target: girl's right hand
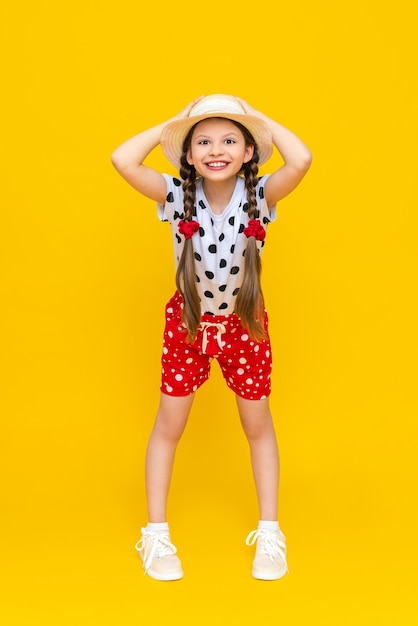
pixel 185 112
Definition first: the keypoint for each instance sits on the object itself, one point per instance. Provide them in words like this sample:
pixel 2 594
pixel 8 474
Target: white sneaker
pixel 270 556
pixel 158 555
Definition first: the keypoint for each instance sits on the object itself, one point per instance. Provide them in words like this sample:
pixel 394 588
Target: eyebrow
pixel 224 136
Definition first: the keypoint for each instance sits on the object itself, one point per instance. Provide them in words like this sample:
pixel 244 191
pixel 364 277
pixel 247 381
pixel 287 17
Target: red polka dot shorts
pixel 246 364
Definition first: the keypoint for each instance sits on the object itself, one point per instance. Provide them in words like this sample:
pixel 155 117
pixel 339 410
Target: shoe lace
pixel 270 542
pixel 154 544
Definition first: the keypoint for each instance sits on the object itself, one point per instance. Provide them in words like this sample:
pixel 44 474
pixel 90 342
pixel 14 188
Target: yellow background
pixel 86 269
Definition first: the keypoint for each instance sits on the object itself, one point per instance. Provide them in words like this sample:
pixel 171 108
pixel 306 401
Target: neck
pixel 218 194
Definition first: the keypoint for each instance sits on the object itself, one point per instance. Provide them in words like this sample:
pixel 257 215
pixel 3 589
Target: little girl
pixel 219 212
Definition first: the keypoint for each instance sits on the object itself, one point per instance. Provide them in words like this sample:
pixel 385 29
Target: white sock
pixel 268 525
pixel 157 526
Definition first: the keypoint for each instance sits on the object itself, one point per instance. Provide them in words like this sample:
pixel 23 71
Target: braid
pixel 250 301
pixel 186 274
pixel 188 174
pixel 251 180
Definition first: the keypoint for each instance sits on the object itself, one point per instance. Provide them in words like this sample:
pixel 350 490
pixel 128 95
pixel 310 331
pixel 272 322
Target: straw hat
pixel 216 105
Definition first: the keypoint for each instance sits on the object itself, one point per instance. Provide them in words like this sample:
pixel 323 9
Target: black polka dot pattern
pixel 220 244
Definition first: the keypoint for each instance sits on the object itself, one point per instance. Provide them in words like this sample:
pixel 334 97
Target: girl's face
pixel 218 149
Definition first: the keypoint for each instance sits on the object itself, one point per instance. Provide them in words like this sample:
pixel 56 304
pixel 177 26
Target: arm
pixel 128 160
pixel 297 158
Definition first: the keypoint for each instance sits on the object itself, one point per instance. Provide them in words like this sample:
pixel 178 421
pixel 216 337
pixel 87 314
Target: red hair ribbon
pixel 188 229
pixel 254 229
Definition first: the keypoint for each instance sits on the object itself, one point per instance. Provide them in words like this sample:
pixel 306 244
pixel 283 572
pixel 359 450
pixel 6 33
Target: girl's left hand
pixel 248 108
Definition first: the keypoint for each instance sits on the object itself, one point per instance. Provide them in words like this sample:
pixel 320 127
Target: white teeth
pixel 217 164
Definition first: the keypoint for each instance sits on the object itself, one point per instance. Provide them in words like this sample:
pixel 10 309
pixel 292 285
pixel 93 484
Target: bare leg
pixel 258 426
pixel 169 425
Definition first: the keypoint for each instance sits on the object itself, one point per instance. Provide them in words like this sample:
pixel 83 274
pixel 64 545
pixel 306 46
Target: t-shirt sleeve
pixel 266 214
pixel 169 211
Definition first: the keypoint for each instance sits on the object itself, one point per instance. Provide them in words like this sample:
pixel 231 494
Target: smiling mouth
pixel 215 165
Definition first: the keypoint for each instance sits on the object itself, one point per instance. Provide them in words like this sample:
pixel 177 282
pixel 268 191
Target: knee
pixel 256 427
pixel 170 429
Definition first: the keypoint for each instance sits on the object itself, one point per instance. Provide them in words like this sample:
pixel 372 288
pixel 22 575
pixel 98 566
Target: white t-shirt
pixel 220 244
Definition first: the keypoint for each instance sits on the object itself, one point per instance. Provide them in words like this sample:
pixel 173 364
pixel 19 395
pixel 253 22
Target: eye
pixel 203 142
pixel 229 141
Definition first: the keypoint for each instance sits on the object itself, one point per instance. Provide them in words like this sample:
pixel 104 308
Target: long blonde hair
pixel 249 305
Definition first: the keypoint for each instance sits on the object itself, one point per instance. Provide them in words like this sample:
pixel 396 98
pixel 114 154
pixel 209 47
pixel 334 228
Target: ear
pixel 189 157
pixel 248 154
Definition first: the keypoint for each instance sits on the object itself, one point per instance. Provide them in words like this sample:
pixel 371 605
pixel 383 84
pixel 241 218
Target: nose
pixel 216 148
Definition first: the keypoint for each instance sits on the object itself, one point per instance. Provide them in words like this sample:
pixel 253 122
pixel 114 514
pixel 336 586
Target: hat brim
pixel 174 134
